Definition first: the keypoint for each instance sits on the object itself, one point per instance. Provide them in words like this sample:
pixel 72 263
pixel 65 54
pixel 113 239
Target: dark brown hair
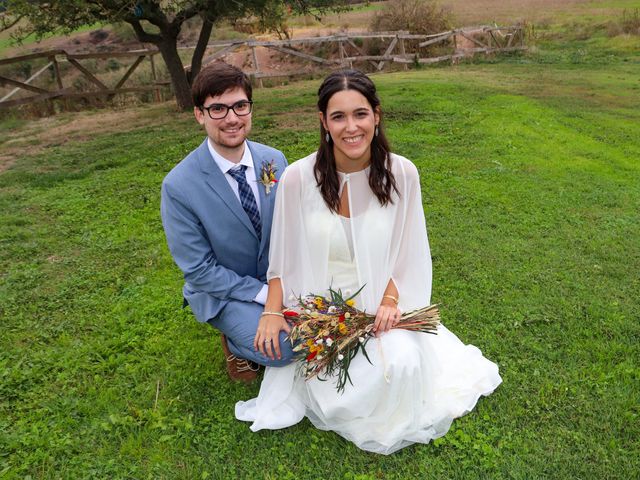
pixel 381 179
pixel 215 79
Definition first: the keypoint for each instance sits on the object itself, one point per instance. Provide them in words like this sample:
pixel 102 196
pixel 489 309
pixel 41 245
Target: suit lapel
pixel 217 181
pixel 266 201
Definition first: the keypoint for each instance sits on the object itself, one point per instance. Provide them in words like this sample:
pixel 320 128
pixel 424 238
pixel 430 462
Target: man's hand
pixel 267 339
pixel 387 316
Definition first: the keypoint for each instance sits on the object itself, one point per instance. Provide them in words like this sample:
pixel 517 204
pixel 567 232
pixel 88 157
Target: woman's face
pixel 351 122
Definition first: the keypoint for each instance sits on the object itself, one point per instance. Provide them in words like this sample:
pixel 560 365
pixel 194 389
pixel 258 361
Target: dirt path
pixel 38 135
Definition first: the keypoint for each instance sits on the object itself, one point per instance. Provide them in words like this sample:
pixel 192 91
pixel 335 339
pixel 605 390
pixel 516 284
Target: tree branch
pixel 7 24
pixel 186 14
pixel 141 34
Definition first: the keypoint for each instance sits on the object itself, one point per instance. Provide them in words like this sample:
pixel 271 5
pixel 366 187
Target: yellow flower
pixel 343 328
pixel 309 343
pixel 351 302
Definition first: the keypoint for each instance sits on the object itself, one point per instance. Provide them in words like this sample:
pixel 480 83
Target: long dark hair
pixel 381 179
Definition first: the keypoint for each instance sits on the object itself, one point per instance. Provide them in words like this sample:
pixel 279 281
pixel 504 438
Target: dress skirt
pixel 414 388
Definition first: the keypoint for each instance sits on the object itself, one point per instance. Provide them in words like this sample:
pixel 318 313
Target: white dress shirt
pixel 226 165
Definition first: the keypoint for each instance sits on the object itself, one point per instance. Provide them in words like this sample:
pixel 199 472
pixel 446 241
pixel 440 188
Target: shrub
pixel 423 17
pixel 417 16
pixel 273 19
pixel 124 32
pixel 631 21
pixel 629 24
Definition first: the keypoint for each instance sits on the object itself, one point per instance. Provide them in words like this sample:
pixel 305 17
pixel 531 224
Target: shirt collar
pixel 226 165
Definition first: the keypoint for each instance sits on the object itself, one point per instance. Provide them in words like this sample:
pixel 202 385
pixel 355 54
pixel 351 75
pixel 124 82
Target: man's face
pixel 229 133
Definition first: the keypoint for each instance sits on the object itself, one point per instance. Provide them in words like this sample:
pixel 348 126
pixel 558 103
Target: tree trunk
pixel 167 43
pixel 169 50
pixel 201 46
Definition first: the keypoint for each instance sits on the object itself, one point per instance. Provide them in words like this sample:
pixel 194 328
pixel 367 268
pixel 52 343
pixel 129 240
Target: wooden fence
pixel 463 42
pixel 399 47
pixel 55 57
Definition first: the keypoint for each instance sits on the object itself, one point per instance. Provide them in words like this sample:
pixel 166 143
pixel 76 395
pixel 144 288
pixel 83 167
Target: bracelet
pixel 279 314
pixel 395 300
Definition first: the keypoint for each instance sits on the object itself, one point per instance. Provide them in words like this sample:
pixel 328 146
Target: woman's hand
pixel 267 340
pixel 387 316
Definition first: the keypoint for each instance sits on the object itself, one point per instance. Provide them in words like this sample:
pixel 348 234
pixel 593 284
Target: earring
pixel 377 130
pixel 327 137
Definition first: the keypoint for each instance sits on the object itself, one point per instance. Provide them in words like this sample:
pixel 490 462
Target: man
pixel 217 206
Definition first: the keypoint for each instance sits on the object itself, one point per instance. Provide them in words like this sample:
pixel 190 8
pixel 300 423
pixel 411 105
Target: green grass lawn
pixel 531 194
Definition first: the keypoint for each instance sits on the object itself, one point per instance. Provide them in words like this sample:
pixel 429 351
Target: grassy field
pixel 531 194
pixel 9 44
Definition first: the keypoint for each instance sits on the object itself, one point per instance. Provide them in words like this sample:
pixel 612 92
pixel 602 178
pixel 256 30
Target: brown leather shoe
pixel 239 369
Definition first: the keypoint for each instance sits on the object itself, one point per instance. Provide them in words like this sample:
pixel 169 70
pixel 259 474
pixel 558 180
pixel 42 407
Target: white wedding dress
pixel 416 383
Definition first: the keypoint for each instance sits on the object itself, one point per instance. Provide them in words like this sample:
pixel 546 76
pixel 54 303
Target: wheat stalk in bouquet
pixel 328 333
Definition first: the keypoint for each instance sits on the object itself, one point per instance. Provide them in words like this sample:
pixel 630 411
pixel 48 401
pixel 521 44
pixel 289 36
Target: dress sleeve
pixel 286 250
pixel 412 269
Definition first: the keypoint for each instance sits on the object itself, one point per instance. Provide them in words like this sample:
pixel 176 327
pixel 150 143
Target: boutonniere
pixel 268 176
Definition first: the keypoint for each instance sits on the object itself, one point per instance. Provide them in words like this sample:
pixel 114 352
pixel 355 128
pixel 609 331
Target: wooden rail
pixel 402 48
pixel 55 57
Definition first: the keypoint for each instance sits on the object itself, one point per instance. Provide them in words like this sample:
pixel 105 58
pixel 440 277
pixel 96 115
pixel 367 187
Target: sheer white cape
pixel 389 242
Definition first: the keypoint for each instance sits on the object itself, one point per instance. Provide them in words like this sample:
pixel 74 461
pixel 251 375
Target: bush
pixel 124 32
pixel 423 17
pixel 417 16
pixel 631 21
pixel 629 24
pixel 273 19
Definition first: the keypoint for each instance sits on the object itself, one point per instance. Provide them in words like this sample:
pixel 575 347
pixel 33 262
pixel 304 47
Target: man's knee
pixel 286 353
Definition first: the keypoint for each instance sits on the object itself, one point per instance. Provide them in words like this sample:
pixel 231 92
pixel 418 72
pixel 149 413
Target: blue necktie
pixel 247 199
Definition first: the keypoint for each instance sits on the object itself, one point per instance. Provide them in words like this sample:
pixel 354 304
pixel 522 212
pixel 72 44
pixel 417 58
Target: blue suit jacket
pixel 209 234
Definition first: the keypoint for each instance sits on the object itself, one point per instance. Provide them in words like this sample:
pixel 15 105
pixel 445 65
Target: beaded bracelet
pixel 279 314
pixel 395 300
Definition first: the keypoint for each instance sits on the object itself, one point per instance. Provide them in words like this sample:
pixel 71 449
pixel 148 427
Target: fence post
pixel 455 49
pixel 403 53
pixel 58 76
pixel 257 66
pixel 156 90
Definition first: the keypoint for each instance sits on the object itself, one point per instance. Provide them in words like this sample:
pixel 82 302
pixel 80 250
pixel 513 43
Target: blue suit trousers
pixel 238 321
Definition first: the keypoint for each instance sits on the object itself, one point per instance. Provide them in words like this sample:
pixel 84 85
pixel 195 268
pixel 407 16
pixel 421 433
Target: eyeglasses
pixel 218 111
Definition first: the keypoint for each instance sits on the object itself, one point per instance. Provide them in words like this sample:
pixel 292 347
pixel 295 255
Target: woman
pixel 346 216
